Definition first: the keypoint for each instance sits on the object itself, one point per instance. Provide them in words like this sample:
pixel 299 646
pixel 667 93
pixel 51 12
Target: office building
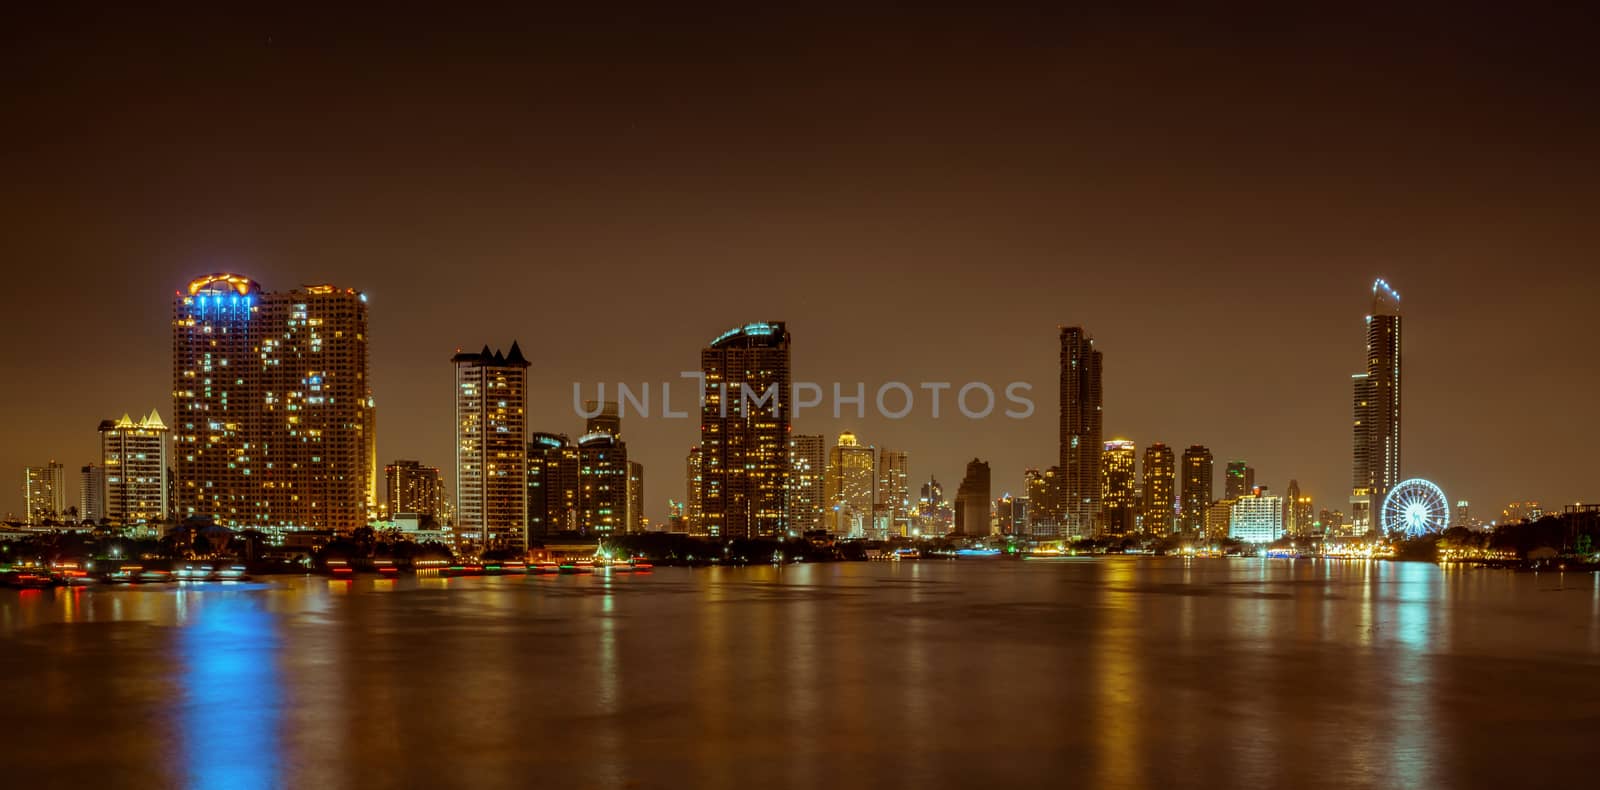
pixel 602 484
pixel 1299 517
pixel 134 465
pixel 491 449
pixel 1080 434
pixel 744 432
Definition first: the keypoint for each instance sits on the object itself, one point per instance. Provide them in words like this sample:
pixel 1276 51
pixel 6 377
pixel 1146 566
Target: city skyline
pixel 959 188
pixel 1323 495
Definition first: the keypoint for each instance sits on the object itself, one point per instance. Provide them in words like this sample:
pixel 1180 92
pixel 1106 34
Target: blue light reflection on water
pixel 232 694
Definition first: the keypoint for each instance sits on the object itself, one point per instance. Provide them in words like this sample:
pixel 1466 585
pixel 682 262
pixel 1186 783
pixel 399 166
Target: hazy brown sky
pixel 921 196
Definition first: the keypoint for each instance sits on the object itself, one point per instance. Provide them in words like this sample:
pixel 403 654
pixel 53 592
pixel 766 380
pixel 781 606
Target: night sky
pixel 922 196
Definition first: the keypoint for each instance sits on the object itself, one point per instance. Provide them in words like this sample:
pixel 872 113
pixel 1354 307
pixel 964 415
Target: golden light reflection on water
pixel 1116 672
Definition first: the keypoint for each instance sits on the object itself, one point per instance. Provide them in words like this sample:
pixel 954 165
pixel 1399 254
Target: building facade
pixel 274 419
pixel 1160 490
pixel 1375 456
pixel 744 432
pixel 1118 504
pixel 44 492
pixel 552 485
pixel 808 473
pixel 491 449
pixel 972 501
pixel 851 487
pixel 894 490
pixel 1198 477
pixel 411 487
pixel 1256 518
pixel 135 467
pixel 1239 480
pixel 602 484
pixel 1081 432
pixel 91 493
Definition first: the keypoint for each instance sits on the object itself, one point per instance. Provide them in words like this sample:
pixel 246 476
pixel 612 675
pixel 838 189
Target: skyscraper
pixel 808 471
pixel 133 457
pixel 1042 489
pixel 603 476
pixel 273 412
pixel 851 484
pixel 44 492
pixel 1238 481
pixel 894 489
pixel 1081 421
pixel 1298 516
pixel 1117 474
pixel 744 432
pixel 972 501
pixel 91 493
pixel 411 487
pixel 636 517
pixel 1376 453
pixel 491 448
pixel 694 521
pixel 1198 477
pixel 552 484
pixel 1160 489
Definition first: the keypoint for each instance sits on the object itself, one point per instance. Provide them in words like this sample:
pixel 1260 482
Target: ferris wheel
pixel 1415 507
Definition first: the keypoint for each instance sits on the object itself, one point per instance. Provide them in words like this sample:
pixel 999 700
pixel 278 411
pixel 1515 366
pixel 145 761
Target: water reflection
pixel 1116 672
pixel 232 697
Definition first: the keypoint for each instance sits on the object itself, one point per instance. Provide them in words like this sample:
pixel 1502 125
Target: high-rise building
pixel 934 516
pixel 972 501
pixel 808 472
pixel 1081 430
pixel 91 493
pixel 1043 487
pixel 1238 481
pixel 1218 519
pixel 44 492
pixel 1375 458
pixel 1160 489
pixel 894 489
pixel 602 484
pixel 636 518
pixel 1299 518
pixel 491 448
pixel 851 484
pixel 133 457
pixel 1256 518
pixel 744 432
pixel 1197 481
pixel 272 406
pixel 1117 475
pixel 552 485
pixel 694 521
pixel 604 418
pixel 411 487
